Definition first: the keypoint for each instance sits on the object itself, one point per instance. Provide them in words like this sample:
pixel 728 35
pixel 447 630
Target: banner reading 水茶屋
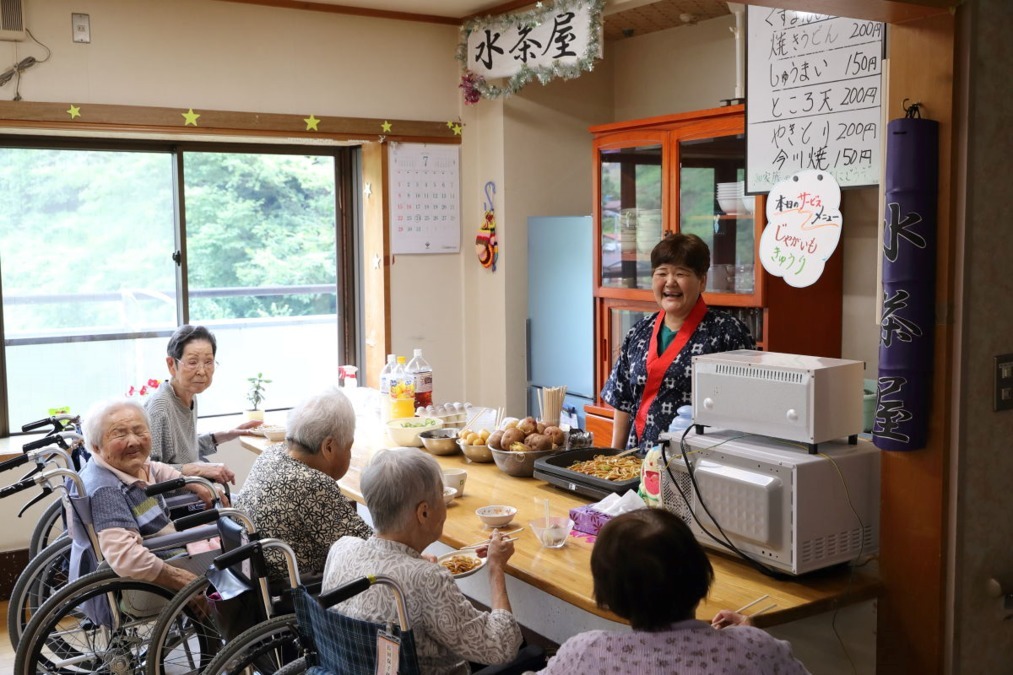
pixel 558 39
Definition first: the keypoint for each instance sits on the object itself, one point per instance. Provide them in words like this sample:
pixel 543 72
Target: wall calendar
pixel 425 211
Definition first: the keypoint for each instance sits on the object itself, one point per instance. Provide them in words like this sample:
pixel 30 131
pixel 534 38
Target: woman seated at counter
pixel 403 490
pixel 292 491
pixel 118 435
pixel 190 356
pixel 652 376
pixel 648 569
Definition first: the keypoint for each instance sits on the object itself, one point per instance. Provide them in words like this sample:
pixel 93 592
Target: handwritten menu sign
pixel 425 212
pixel 803 227
pixel 814 92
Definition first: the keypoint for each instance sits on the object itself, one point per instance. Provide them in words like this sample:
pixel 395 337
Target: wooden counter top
pixel 565 573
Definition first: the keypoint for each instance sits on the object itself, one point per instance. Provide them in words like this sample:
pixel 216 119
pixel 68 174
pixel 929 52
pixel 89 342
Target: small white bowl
pixel 449 494
pixel 496 515
pixel 273 433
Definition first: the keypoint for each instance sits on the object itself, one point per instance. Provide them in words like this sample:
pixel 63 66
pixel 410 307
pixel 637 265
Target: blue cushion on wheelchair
pixel 343 645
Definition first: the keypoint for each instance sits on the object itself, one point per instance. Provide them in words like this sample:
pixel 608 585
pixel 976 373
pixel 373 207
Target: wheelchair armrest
pixel 177 539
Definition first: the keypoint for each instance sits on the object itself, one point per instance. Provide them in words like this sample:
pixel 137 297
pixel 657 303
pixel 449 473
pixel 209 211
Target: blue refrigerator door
pixel 560 305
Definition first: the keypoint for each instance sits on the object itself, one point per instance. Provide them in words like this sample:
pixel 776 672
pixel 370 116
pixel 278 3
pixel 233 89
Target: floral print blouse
pixel 302 506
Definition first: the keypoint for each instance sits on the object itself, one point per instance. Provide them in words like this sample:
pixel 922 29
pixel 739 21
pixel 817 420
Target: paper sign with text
pixel 803 227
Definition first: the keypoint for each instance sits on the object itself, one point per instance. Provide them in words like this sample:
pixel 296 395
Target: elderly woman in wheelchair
pixel 119 437
pixel 403 490
pixel 100 621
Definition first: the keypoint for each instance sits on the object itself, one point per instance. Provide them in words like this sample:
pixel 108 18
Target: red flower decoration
pixel 470 82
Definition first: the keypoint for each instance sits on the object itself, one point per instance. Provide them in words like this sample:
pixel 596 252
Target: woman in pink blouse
pixel 648 569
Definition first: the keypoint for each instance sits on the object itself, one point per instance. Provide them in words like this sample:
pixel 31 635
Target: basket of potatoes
pixel 520 442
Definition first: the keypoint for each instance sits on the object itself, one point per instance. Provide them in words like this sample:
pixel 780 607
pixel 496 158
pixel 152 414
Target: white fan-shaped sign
pixel 803 227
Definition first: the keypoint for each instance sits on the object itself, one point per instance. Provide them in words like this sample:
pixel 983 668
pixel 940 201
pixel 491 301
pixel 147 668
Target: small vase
pixel 254 415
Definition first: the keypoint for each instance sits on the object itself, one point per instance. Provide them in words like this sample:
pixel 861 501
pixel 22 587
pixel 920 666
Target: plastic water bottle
pixel 420 369
pixel 402 391
pixel 384 397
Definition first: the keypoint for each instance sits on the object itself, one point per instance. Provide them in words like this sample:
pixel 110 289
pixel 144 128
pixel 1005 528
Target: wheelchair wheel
pixel 184 639
pixel 67 635
pixel 48 529
pixel 45 574
pixel 265 649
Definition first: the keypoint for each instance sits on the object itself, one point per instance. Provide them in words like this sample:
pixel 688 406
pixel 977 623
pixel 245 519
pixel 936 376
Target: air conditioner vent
pixel 12 20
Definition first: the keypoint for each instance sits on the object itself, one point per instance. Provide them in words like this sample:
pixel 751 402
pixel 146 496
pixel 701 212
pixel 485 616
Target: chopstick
pixel 759 612
pixel 505 534
pixel 750 604
pixel 486 543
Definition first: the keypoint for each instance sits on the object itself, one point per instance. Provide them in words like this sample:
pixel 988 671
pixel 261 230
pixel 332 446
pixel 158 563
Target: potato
pixel 556 434
pixel 511 436
pixel 519 447
pixel 538 442
pixel 509 423
pixel 471 438
pixel 494 440
pixel 527 425
pixel 540 427
pixel 484 433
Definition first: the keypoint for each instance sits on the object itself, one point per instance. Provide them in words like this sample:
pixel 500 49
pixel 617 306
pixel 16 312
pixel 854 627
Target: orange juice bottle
pixel 402 391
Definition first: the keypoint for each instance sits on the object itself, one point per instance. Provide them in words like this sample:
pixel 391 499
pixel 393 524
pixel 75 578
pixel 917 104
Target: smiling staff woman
pixel 653 375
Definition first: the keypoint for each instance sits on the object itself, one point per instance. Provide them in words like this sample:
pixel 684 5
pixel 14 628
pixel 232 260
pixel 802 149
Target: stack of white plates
pixel 730 196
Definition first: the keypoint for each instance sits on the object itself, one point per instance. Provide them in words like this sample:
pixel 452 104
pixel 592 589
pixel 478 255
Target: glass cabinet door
pixel 631 220
pixel 713 206
pixel 620 318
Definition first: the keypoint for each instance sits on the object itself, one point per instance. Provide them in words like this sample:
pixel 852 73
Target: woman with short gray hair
pixel 292 491
pixel 403 489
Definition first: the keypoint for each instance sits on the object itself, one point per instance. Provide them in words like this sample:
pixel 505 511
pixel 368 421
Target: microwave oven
pixel 793 511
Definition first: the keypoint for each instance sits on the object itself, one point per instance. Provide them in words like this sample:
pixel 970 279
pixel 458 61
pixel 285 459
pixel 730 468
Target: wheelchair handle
pixel 256 548
pixel 346 591
pixel 211 515
pixel 15 462
pixel 16 487
pixel 43 442
pixel 194 519
pixel 54 420
pixel 165 486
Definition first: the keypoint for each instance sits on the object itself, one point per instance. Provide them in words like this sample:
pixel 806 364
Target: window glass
pixel 85 262
pixel 262 271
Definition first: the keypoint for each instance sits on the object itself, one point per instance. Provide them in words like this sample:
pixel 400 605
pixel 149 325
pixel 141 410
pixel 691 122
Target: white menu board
pixel 813 97
pixel 425 206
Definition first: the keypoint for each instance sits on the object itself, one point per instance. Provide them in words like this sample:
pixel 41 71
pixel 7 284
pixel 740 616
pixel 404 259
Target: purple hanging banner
pixel 909 284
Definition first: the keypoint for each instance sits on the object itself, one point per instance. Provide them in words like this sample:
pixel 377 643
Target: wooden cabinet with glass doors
pixel 684 173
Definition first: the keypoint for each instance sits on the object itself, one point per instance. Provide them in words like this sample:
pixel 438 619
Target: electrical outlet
pixel 80 25
pixel 1003 383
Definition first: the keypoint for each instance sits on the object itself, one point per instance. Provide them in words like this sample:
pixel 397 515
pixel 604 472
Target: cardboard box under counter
pixel 588 520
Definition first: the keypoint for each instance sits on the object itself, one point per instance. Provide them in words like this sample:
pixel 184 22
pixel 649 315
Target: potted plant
pixel 255 395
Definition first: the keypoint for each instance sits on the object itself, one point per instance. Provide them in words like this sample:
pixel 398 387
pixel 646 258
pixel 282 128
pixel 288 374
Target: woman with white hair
pixel 292 491
pixel 118 435
pixel 403 490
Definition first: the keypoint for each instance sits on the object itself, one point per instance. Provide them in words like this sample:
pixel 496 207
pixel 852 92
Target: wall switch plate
pixel 80 27
pixel 1003 382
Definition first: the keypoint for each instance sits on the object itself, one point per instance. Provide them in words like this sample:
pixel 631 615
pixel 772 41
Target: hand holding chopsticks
pixel 485 542
pixel 726 618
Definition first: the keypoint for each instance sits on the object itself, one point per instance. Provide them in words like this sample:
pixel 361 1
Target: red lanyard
pixel 657 366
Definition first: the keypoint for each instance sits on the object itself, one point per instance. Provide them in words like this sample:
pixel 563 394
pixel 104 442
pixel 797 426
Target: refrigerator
pixel 560 323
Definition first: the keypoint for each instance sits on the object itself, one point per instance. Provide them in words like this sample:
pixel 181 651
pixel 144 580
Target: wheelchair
pixel 48 567
pixel 320 641
pixel 100 622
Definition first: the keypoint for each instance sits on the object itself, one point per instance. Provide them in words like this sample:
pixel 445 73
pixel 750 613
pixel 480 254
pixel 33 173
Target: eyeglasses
pixel 193 365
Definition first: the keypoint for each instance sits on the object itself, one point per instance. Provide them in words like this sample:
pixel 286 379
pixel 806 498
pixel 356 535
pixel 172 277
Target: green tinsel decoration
pixel 544 74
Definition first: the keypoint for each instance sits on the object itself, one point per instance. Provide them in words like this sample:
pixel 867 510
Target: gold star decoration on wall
pixel 386 126
pixel 457 129
pixel 311 123
pixel 74 111
pixel 191 117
